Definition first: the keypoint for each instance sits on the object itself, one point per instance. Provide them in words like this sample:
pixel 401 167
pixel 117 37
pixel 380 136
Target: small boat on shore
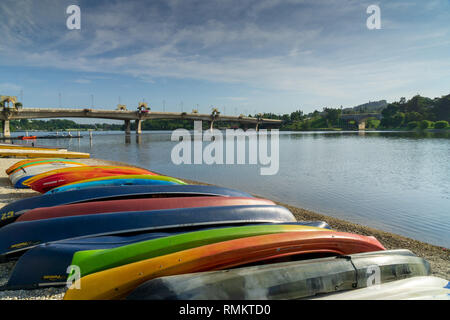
pixel 11 211
pixel 46 181
pixel 18 237
pixel 92 261
pixel 121 180
pixel 95 207
pixel 287 280
pixel 415 288
pixel 46 265
pixel 118 282
pixel 24 173
pixel 33 162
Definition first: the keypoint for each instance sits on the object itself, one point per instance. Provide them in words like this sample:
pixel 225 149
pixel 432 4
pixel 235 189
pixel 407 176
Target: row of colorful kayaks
pixel 116 232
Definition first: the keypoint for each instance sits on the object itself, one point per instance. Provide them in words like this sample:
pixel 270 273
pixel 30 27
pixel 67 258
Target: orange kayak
pixel 118 282
pixel 55 178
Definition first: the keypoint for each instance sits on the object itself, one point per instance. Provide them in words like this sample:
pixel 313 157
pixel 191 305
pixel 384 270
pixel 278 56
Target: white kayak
pixel 24 173
pixel 416 288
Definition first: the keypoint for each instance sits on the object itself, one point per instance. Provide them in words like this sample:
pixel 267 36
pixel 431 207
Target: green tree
pixel 425 124
pixel 413 116
pixel 332 116
pixel 398 119
pixel 413 124
pixel 297 115
pixel 442 124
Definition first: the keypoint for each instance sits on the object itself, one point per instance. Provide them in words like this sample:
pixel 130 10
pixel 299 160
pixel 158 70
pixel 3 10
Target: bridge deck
pixel 34 113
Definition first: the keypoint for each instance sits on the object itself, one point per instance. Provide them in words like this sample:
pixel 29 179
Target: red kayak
pixel 46 181
pixel 137 205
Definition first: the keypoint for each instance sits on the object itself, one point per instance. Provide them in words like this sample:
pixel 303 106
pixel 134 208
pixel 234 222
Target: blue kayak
pixel 10 212
pixel 46 264
pixel 18 237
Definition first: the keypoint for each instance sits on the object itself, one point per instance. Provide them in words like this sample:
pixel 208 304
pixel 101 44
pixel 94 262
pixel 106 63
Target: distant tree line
pixel 418 112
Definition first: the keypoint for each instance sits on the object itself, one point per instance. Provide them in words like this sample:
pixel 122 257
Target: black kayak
pixel 17 237
pixel 46 265
pixel 10 212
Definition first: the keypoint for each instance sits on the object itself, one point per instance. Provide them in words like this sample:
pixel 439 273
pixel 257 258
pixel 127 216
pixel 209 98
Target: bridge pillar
pixel 138 126
pixel 6 132
pixel 127 126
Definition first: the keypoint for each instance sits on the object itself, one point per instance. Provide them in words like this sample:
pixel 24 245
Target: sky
pixel 242 56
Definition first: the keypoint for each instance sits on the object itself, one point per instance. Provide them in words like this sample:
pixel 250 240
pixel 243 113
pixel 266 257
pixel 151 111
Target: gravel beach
pixel 438 257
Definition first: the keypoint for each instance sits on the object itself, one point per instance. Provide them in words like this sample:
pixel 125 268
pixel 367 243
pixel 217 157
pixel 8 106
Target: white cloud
pixel 82 81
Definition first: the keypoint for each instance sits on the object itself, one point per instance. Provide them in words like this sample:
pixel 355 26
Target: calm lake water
pixel 394 181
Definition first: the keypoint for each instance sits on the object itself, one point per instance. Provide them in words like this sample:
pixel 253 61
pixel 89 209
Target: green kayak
pixel 91 261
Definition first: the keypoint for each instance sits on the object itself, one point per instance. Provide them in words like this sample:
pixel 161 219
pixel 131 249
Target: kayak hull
pixel 19 176
pixel 121 180
pixel 289 280
pixel 26 161
pixel 46 265
pixel 18 237
pixel 417 288
pixel 11 211
pixel 34 162
pixel 88 208
pixel 99 260
pixel 52 179
pixel 118 282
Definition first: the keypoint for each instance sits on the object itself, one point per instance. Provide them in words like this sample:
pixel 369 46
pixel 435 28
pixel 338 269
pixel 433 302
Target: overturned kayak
pixel 87 208
pixel 11 211
pixel 98 260
pixel 122 180
pixel 47 265
pixel 19 176
pixel 289 280
pixel 17 237
pixel 118 282
pixel 55 178
pixel 34 162
pixel 417 288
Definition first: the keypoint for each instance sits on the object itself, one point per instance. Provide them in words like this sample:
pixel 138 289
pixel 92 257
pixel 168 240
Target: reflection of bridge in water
pixel 8 114
pixel 361 118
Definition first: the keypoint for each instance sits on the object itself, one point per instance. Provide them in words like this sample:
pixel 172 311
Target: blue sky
pixel 242 56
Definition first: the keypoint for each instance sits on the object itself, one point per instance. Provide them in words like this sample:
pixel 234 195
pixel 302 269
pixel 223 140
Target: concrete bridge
pixel 7 114
pixel 361 118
